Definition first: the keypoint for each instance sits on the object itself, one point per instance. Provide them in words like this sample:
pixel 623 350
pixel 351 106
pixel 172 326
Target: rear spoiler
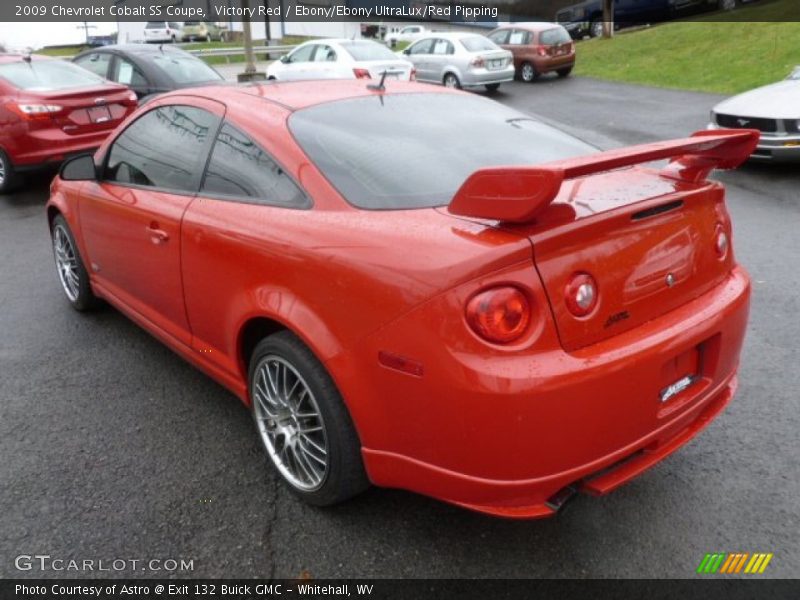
pixel 518 194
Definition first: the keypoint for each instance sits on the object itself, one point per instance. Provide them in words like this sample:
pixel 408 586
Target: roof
pixel 137 49
pixel 295 95
pixel 531 25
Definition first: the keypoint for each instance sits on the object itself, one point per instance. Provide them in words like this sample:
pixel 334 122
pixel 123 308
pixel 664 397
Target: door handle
pixel 157 235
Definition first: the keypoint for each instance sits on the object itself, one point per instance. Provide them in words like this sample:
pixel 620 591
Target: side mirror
pixel 407 51
pixel 285 59
pixel 79 168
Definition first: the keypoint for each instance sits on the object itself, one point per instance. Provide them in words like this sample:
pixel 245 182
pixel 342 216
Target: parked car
pixel 101 40
pixel 476 315
pixel 774 110
pixel 340 59
pixel 206 31
pixel 586 17
pixel 163 31
pixel 148 70
pixel 49 110
pixel 461 60
pixel 405 34
pixel 538 48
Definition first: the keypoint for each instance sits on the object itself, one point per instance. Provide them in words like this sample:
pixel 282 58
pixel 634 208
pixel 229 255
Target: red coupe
pixel 496 315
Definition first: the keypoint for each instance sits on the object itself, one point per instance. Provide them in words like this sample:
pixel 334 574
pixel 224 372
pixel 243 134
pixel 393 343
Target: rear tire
pixel 303 423
pixel 492 87
pixel 451 80
pixel 71 271
pixel 564 72
pixel 9 179
pixel 527 72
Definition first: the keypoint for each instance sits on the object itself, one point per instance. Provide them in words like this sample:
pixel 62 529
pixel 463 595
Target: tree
pixel 608 18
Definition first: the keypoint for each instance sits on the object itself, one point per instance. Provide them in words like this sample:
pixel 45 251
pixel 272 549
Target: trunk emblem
pixel 100 101
pixel 677 387
pixel 670 280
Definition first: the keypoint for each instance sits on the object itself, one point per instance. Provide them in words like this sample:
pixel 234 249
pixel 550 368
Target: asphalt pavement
pixel 112 447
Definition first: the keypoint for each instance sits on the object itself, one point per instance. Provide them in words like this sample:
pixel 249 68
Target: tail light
pixel 413 75
pixel 477 62
pixel 499 315
pixel 33 112
pixel 581 294
pixel 132 99
pixel 542 50
pixel 362 74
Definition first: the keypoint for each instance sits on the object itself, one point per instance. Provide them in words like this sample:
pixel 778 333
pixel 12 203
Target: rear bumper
pixel 591 420
pixel 52 146
pixel 477 77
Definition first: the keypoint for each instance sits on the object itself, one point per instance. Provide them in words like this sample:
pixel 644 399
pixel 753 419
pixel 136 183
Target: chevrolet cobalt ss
pixel 495 315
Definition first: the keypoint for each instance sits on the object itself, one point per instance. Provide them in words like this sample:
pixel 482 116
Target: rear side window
pixel 478 43
pixel 500 37
pixel 551 37
pixel 165 149
pixel 366 149
pixel 240 170
pixel 96 62
pixel 48 75
pixel 520 38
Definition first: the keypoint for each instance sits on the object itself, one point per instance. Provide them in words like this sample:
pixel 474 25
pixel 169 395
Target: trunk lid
pixel 396 69
pixel 88 110
pixel 651 250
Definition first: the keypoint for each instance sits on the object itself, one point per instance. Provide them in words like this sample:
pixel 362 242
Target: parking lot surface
pixel 113 447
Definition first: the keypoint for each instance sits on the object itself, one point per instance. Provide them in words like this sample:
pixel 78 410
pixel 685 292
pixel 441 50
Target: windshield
pixel 368 51
pixel 414 150
pixel 478 43
pixel 185 69
pixel 48 75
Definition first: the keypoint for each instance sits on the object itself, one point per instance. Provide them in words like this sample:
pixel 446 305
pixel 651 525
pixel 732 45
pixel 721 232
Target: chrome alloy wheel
pixel 290 423
pixel 66 263
pixel 528 73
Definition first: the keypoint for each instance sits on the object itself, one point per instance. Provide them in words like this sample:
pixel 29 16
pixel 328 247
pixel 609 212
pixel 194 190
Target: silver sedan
pixel 774 110
pixel 460 60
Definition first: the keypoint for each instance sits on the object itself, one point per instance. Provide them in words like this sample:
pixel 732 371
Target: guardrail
pixel 266 51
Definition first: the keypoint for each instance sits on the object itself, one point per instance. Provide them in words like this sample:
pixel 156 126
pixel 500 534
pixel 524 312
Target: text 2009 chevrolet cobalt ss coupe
pixel 495 315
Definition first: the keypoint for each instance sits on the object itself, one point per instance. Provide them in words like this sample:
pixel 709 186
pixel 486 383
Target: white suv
pixel 163 31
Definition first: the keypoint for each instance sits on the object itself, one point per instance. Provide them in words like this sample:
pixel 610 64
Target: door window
pixel 96 62
pixel 126 73
pixel 165 148
pixel 240 170
pixel 421 47
pixel 302 54
pixel 325 54
pixel 443 47
pixel 500 37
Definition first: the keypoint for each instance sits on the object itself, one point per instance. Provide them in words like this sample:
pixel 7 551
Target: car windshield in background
pixel 478 43
pixel 185 69
pixel 368 51
pixel 413 151
pixel 555 36
pixel 48 75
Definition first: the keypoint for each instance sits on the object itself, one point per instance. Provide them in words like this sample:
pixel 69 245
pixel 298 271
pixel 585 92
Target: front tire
pixel 451 80
pixel 9 179
pixel 492 87
pixel 71 271
pixel 303 423
pixel 527 72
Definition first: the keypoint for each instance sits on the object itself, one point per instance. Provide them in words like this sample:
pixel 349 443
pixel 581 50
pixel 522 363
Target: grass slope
pixel 702 55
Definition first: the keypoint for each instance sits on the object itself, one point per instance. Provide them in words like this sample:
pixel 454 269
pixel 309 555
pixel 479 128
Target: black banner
pixel 456 11
pixel 383 589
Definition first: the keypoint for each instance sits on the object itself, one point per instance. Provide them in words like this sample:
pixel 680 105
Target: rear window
pixel 156 25
pixel 185 69
pixel 478 43
pixel 368 51
pixel 414 151
pixel 551 37
pixel 48 75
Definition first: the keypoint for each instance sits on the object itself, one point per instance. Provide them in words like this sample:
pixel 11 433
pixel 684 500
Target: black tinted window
pixel 239 169
pixel 413 150
pixel 165 149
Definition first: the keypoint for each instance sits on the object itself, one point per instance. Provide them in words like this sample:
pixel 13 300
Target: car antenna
pixel 379 86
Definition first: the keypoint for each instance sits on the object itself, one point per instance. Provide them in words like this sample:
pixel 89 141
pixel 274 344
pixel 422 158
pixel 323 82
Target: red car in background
pixel 495 315
pixel 51 109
